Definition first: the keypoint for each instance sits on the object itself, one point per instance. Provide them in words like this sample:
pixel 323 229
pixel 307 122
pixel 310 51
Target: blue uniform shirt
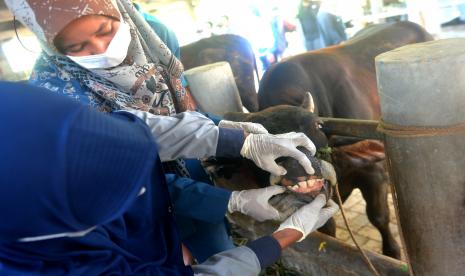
pixel 81 192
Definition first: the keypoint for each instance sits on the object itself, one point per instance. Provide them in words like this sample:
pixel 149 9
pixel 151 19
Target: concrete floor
pixel 367 236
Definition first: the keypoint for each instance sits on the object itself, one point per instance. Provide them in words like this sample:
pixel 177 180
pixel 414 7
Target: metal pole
pixel 422 91
pixel 365 129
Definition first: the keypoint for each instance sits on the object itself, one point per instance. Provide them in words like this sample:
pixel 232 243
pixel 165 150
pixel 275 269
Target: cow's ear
pixel 308 103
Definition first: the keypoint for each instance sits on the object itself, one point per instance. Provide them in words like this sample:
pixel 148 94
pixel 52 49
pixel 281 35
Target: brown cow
pixel 231 48
pixel 342 78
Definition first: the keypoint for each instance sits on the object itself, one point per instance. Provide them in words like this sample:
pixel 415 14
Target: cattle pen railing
pixel 366 129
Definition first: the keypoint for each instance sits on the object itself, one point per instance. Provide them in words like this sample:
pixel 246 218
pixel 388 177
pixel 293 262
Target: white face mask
pixel 114 55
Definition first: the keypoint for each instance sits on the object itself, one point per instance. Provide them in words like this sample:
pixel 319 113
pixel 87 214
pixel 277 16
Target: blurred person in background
pixel 279 28
pixel 319 28
pixel 257 29
pixel 459 20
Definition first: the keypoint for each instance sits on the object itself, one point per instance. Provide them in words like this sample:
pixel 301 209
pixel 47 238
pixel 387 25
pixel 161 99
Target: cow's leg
pixel 375 190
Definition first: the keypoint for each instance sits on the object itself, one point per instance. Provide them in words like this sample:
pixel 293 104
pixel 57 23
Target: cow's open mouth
pixel 304 185
pixel 298 182
pixel 301 187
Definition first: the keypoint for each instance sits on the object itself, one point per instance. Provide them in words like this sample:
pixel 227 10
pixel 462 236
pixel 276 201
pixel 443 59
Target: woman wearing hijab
pixel 105 54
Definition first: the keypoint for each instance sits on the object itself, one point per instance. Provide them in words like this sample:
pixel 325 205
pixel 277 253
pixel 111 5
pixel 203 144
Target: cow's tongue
pixel 311 185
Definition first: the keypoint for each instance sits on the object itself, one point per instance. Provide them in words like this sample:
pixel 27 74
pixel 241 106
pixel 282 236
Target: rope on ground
pixel 419 131
pixel 365 257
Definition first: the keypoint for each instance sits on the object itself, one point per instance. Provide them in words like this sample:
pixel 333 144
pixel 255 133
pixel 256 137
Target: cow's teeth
pixel 295 187
pixel 303 184
pixel 310 183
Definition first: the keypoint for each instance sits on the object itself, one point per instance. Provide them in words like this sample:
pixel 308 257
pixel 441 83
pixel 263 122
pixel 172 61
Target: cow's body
pixel 342 78
pixel 231 48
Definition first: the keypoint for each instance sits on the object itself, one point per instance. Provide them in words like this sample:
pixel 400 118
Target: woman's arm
pixel 191 135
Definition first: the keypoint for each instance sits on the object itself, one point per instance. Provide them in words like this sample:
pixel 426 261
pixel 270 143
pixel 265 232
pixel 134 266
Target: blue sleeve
pixel 198 200
pixel 230 142
pixel 267 250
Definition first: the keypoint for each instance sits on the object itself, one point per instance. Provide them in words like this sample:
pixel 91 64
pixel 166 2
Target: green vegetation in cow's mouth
pixel 324 153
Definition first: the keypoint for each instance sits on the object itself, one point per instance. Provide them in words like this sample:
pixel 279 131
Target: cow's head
pixel 285 118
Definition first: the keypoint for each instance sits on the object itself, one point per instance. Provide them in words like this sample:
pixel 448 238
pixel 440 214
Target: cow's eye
pixel 319 125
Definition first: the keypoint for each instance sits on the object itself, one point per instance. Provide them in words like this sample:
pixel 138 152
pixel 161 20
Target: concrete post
pixel 214 88
pixel 423 85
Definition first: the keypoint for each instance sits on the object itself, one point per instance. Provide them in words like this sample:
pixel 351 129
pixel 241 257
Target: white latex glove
pixel 264 149
pixel 247 127
pixel 254 203
pixel 310 217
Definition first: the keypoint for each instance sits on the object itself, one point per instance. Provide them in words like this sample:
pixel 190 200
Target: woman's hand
pixel 187 256
pixel 264 149
pixel 309 217
pixel 254 203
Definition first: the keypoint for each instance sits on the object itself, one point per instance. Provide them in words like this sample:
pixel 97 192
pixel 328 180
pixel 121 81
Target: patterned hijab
pixel 150 77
